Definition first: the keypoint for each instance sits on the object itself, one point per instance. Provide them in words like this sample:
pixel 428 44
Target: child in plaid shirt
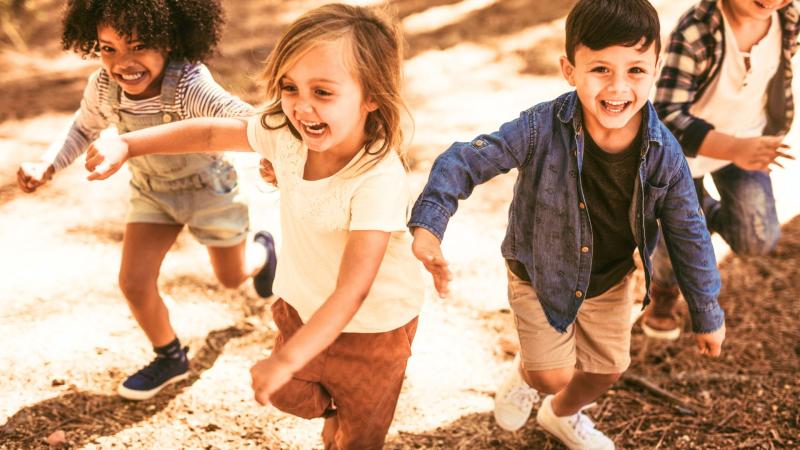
pixel 726 93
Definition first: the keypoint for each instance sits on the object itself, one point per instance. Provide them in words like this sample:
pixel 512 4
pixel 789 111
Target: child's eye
pixel 600 69
pixel 139 47
pixel 106 49
pixel 323 92
pixel 637 70
pixel 288 88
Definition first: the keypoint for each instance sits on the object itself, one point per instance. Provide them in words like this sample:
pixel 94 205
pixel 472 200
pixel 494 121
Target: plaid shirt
pixel 693 59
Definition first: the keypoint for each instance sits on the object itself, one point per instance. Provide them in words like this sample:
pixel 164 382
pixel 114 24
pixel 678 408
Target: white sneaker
pixel 514 400
pixel 577 431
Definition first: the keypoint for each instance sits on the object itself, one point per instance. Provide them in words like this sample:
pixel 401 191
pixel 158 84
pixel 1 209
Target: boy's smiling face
pixel 612 84
pixel 755 9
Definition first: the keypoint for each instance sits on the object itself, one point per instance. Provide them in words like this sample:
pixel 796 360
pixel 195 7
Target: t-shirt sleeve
pixel 381 201
pixel 261 139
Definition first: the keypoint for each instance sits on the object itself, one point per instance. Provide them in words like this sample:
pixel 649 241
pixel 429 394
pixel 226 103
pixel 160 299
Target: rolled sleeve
pixel 430 216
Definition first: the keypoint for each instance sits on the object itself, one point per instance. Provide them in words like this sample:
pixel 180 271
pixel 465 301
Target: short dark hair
pixel 187 29
pixel 598 24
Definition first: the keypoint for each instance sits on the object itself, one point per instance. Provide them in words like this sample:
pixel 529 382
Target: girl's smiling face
pixel 137 68
pixel 324 101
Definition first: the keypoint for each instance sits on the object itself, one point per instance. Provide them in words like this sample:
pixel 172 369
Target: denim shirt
pixel 548 221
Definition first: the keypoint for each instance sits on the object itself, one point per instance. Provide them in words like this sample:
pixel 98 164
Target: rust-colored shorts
pixel 599 340
pixel 354 383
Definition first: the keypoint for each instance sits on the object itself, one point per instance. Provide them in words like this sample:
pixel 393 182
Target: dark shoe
pixel 157 375
pixel 661 319
pixel 263 280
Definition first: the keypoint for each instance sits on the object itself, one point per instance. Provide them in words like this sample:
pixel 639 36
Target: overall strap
pixel 169 89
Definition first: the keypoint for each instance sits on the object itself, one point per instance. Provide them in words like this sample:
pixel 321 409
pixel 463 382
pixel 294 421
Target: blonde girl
pixel 350 290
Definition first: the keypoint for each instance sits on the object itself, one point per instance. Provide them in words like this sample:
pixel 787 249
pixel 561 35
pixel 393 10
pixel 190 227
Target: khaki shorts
pixel 215 219
pixel 598 341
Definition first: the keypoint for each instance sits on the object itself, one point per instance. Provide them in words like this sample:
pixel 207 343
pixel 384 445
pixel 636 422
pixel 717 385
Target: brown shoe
pixel 661 319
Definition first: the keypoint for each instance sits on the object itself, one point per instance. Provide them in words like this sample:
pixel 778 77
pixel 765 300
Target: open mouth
pixel 763 6
pixel 614 106
pixel 313 128
pixel 130 77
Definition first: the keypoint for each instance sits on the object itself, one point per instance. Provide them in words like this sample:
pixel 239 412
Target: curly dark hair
pixel 186 29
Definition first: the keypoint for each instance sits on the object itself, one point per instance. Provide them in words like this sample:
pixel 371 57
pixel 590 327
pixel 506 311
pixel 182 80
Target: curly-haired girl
pixel 150 53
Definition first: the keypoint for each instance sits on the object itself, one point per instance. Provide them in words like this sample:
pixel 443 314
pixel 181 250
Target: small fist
pixel 267 172
pixel 32 175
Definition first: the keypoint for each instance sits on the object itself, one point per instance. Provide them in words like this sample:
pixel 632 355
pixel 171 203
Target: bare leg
pixel 573 389
pixel 233 265
pixel 584 388
pixel 143 249
pixel 329 432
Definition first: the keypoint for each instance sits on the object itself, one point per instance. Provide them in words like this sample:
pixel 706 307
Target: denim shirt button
pixel 167 118
pixel 578 294
pixel 582 205
pixel 479 143
pixel 584 249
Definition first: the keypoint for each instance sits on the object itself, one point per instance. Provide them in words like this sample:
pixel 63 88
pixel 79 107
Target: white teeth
pixel 313 128
pixel 131 77
pixel 615 103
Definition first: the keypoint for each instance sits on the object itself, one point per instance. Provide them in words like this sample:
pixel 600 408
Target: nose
pixel 303 106
pixel 619 83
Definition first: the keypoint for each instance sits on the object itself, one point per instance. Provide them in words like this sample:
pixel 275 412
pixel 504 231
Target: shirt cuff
pixel 708 320
pixel 430 216
pixel 693 137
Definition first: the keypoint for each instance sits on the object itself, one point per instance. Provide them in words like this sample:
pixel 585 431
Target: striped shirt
pixel 693 59
pixel 197 95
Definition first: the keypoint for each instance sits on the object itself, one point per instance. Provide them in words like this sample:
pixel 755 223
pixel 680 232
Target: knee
pixel 301 398
pixel 134 287
pixel 604 380
pixel 758 242
pixel 549 381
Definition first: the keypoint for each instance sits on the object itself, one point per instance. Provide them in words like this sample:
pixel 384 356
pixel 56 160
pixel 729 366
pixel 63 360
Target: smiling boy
pixel 597 171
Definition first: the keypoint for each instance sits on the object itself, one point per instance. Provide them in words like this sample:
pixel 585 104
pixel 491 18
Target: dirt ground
pixel 67 338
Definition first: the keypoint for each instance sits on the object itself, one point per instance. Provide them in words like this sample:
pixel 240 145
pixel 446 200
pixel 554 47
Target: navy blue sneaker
pixel 263 280
pixel 157 375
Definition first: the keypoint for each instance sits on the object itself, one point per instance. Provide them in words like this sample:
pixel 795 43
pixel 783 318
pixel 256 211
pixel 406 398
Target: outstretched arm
pixel 362 257
pixel 106 155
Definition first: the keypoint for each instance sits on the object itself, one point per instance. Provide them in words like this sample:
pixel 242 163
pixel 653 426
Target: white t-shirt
pixel 316 220
pixel 736 100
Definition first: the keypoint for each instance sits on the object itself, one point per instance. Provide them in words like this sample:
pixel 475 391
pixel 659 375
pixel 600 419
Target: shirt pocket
pixel 654 196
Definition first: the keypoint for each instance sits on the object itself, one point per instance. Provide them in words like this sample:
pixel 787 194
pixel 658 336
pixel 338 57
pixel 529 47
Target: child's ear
pixel 370 104
pixel 567 70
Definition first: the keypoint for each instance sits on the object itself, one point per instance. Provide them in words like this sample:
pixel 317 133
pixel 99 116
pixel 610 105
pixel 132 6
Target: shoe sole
pixel 665 335
pixel 130 394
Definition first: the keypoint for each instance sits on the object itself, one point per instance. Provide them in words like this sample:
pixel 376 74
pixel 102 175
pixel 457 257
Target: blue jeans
pixel 744 216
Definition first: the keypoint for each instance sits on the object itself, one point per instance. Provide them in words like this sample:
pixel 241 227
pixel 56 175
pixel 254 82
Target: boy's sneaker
pixel 514 400
pixel 157 375
pixel 576 432
pixel 263 280
pixel 661 319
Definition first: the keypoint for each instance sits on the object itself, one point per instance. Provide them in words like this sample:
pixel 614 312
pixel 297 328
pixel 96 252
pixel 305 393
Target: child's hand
pixel 758 153
pixel 267 172
pixel 32 175
pixel 710 343
pixel 427 249
pixel 105 156
pixel 268 376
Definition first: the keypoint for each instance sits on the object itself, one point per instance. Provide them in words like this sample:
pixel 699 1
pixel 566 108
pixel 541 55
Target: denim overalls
pixel 196 189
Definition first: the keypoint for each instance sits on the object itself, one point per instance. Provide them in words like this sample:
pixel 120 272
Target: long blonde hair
pixel 376 61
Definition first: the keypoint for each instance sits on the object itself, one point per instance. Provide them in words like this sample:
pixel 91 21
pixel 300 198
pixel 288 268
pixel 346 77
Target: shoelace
pixel 523 396
pixel 153 370
pixel 582 425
